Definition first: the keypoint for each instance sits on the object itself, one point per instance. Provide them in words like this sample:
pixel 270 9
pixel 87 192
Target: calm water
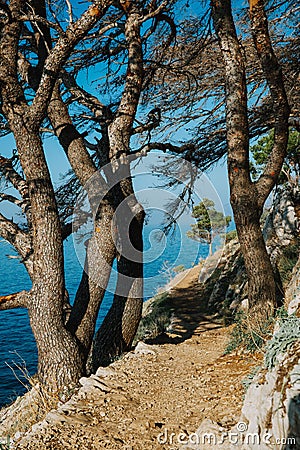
pixel 17 345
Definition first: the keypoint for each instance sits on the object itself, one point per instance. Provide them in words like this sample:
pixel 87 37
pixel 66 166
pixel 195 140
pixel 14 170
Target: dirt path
pixel 166 387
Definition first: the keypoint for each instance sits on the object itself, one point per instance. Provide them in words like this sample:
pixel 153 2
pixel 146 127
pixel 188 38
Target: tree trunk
pixel 119 327
pixel 60 361
pixel 100 255
pixel 100 251
pixel 247 198
pixel 261 282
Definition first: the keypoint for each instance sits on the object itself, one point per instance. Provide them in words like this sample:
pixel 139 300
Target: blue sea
pixel 17 345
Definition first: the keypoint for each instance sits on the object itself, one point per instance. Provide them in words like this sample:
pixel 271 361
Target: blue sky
pixel 143 178
pixel 58 163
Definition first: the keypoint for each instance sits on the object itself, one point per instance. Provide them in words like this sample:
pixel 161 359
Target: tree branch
pixel 121 127
pixel 273 75
pixel 70 139
pixel 158 10
pixel 16 300
pixel 19 183
pixel 19 239
pixel 12 199
pixel 100 111
pixel 236 99
pixel 34 18
pixel 178 149
pixel 60 53
pixel 154 119
pixel 58 114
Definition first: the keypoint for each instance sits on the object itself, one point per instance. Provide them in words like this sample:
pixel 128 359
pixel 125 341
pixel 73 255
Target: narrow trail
pixel 168 386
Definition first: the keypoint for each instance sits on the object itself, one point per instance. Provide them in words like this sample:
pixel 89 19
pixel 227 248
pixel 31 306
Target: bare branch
pixel 34 18
pixel 12 199
pixel 60 53
pixel 185 149
pixel 18 182
pixel 154 118
pixel 9 198
pixel 100 111
pixel 19 239
pixel 158 10
pixel 16 300
pixel 70 11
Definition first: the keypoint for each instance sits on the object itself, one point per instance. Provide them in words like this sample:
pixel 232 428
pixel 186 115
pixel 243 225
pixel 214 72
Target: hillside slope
pixel 167 387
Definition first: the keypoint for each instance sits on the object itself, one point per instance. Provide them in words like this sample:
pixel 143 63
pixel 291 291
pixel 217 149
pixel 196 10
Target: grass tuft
pixel 157 319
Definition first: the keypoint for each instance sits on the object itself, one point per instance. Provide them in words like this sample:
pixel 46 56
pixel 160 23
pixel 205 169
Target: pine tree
pixel 209 223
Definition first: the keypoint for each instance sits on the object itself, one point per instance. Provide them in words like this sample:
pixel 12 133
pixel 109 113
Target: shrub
pixel 249 378
pixel 245 336
pixel 156 321
pixel 288 259
pixel 5 445
pixel 288 333
pixel 231 235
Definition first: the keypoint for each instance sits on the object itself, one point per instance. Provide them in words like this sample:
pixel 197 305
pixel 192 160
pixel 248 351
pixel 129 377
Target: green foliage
pixel 178 269
pixel 5 445
pixel 231 235
pixel 287 260
pixel 281 313
pixel 245 337
pixel 209 222
pixel 157 321
pixel 261 151
pixel 288 333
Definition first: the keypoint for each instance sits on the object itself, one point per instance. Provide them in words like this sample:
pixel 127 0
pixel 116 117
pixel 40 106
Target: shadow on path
pixel 191 315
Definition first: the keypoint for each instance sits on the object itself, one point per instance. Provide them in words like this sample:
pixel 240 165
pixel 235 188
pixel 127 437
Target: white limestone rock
pixel 143 349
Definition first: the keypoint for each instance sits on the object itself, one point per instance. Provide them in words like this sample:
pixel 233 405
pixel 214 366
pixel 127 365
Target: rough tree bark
pixel 101 248
pixel 63 347
pixel 100 251
pixel 64 344
pixel 119 327
pixel 247 197
pixel 126 309
pixel 60 361
pixel 47 294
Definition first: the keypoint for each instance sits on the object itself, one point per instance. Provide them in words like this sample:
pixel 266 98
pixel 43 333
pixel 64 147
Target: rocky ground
pixel 183 381
pixel 168 386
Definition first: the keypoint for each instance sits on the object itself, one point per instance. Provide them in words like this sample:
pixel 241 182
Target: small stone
pixel 144 349
pixel 94 382
pixel 54 417
pixel 105 372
